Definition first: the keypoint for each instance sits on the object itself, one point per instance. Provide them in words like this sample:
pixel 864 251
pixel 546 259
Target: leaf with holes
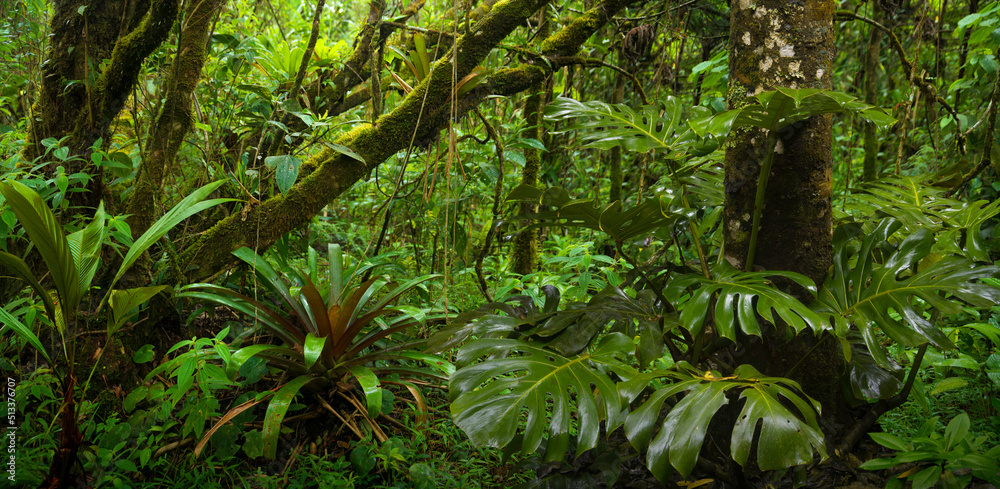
pixel 741 297
pixel 490 396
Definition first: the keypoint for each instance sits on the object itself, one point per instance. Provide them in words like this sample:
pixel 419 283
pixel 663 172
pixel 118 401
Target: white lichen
pixel 819 74
pixel 787 51
pixel 765 64
pixel 779 147
pixel 746 38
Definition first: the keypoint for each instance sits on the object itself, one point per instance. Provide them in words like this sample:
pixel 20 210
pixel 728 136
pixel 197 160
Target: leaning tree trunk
pixel 173 122
pixel 775 43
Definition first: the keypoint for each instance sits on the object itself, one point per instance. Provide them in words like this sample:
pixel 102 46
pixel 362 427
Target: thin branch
pixel 908 66
pixel 991 123
pixel 498 145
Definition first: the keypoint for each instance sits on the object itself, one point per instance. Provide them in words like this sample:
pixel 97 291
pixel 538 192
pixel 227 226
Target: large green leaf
pixel 46 233
pixel 780 108
pixel 19 268
pixel 9 321
pixel 85 245
pixel 742 296
pixel 862 292
pixel 785 439
pixel 189 206
pixel 371 388
pixel 606 126
pixel 490 396
pixel 620 224
pixel 122 302
pixel 276 412
pixel 917 204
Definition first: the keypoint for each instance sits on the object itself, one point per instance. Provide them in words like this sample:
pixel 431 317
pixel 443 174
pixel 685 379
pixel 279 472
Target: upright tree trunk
pixel 81 93
pixel 870 169
pixel 172 125
pixel 525 246
pixel 775 43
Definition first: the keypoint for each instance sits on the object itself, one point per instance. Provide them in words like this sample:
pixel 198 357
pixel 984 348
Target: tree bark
pixel 775 43
pixel 172 123
pixel 81 94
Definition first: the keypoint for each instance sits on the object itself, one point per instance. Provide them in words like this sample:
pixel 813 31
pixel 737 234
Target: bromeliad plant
pixel 593 359
pixel 330 334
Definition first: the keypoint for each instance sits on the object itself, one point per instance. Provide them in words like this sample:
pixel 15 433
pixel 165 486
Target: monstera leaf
pixel 568 330
pixel 605 126
pixel 742 296
pixel 783 107
pixel 786 438
pixel 918 205
pixel 490 396
pixel 892 295
pixel 647 216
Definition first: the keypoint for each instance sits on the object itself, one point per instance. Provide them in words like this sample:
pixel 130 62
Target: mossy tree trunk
pixel 173 122
pixel 774 43
pixel 525 246
pixel 81 93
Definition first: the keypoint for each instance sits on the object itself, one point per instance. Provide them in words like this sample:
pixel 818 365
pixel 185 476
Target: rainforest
pixel 500 243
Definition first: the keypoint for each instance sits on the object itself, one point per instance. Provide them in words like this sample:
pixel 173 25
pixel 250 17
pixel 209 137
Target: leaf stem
pixel 758 207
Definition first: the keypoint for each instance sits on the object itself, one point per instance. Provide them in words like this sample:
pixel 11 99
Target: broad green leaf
pixel 684 429
pixel 605 126
pixel 286 170
pixel 957 430
pixel 190 205
pixel 239 357
pixel 85 245
pixel 774 110
pixel 276 410
pixel 344 150
pixel 490 396
pixel 371 388
pixel 313 348
pixel 742 296
pixel 19 268
pixel 862 292
pixel 785 439
pixel 891 442
pixel 9 321
pixel 124 301
pixel 927 478
pixel 46 233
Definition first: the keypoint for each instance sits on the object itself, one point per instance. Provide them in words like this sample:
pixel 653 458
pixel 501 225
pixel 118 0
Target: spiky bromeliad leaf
pixel 864 293
pixel 741 297
pixel 786 438
pixel 606 126
pixel 490 396
pixel 620 224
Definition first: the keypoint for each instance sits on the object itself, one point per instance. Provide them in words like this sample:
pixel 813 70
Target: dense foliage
pixel 454 244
